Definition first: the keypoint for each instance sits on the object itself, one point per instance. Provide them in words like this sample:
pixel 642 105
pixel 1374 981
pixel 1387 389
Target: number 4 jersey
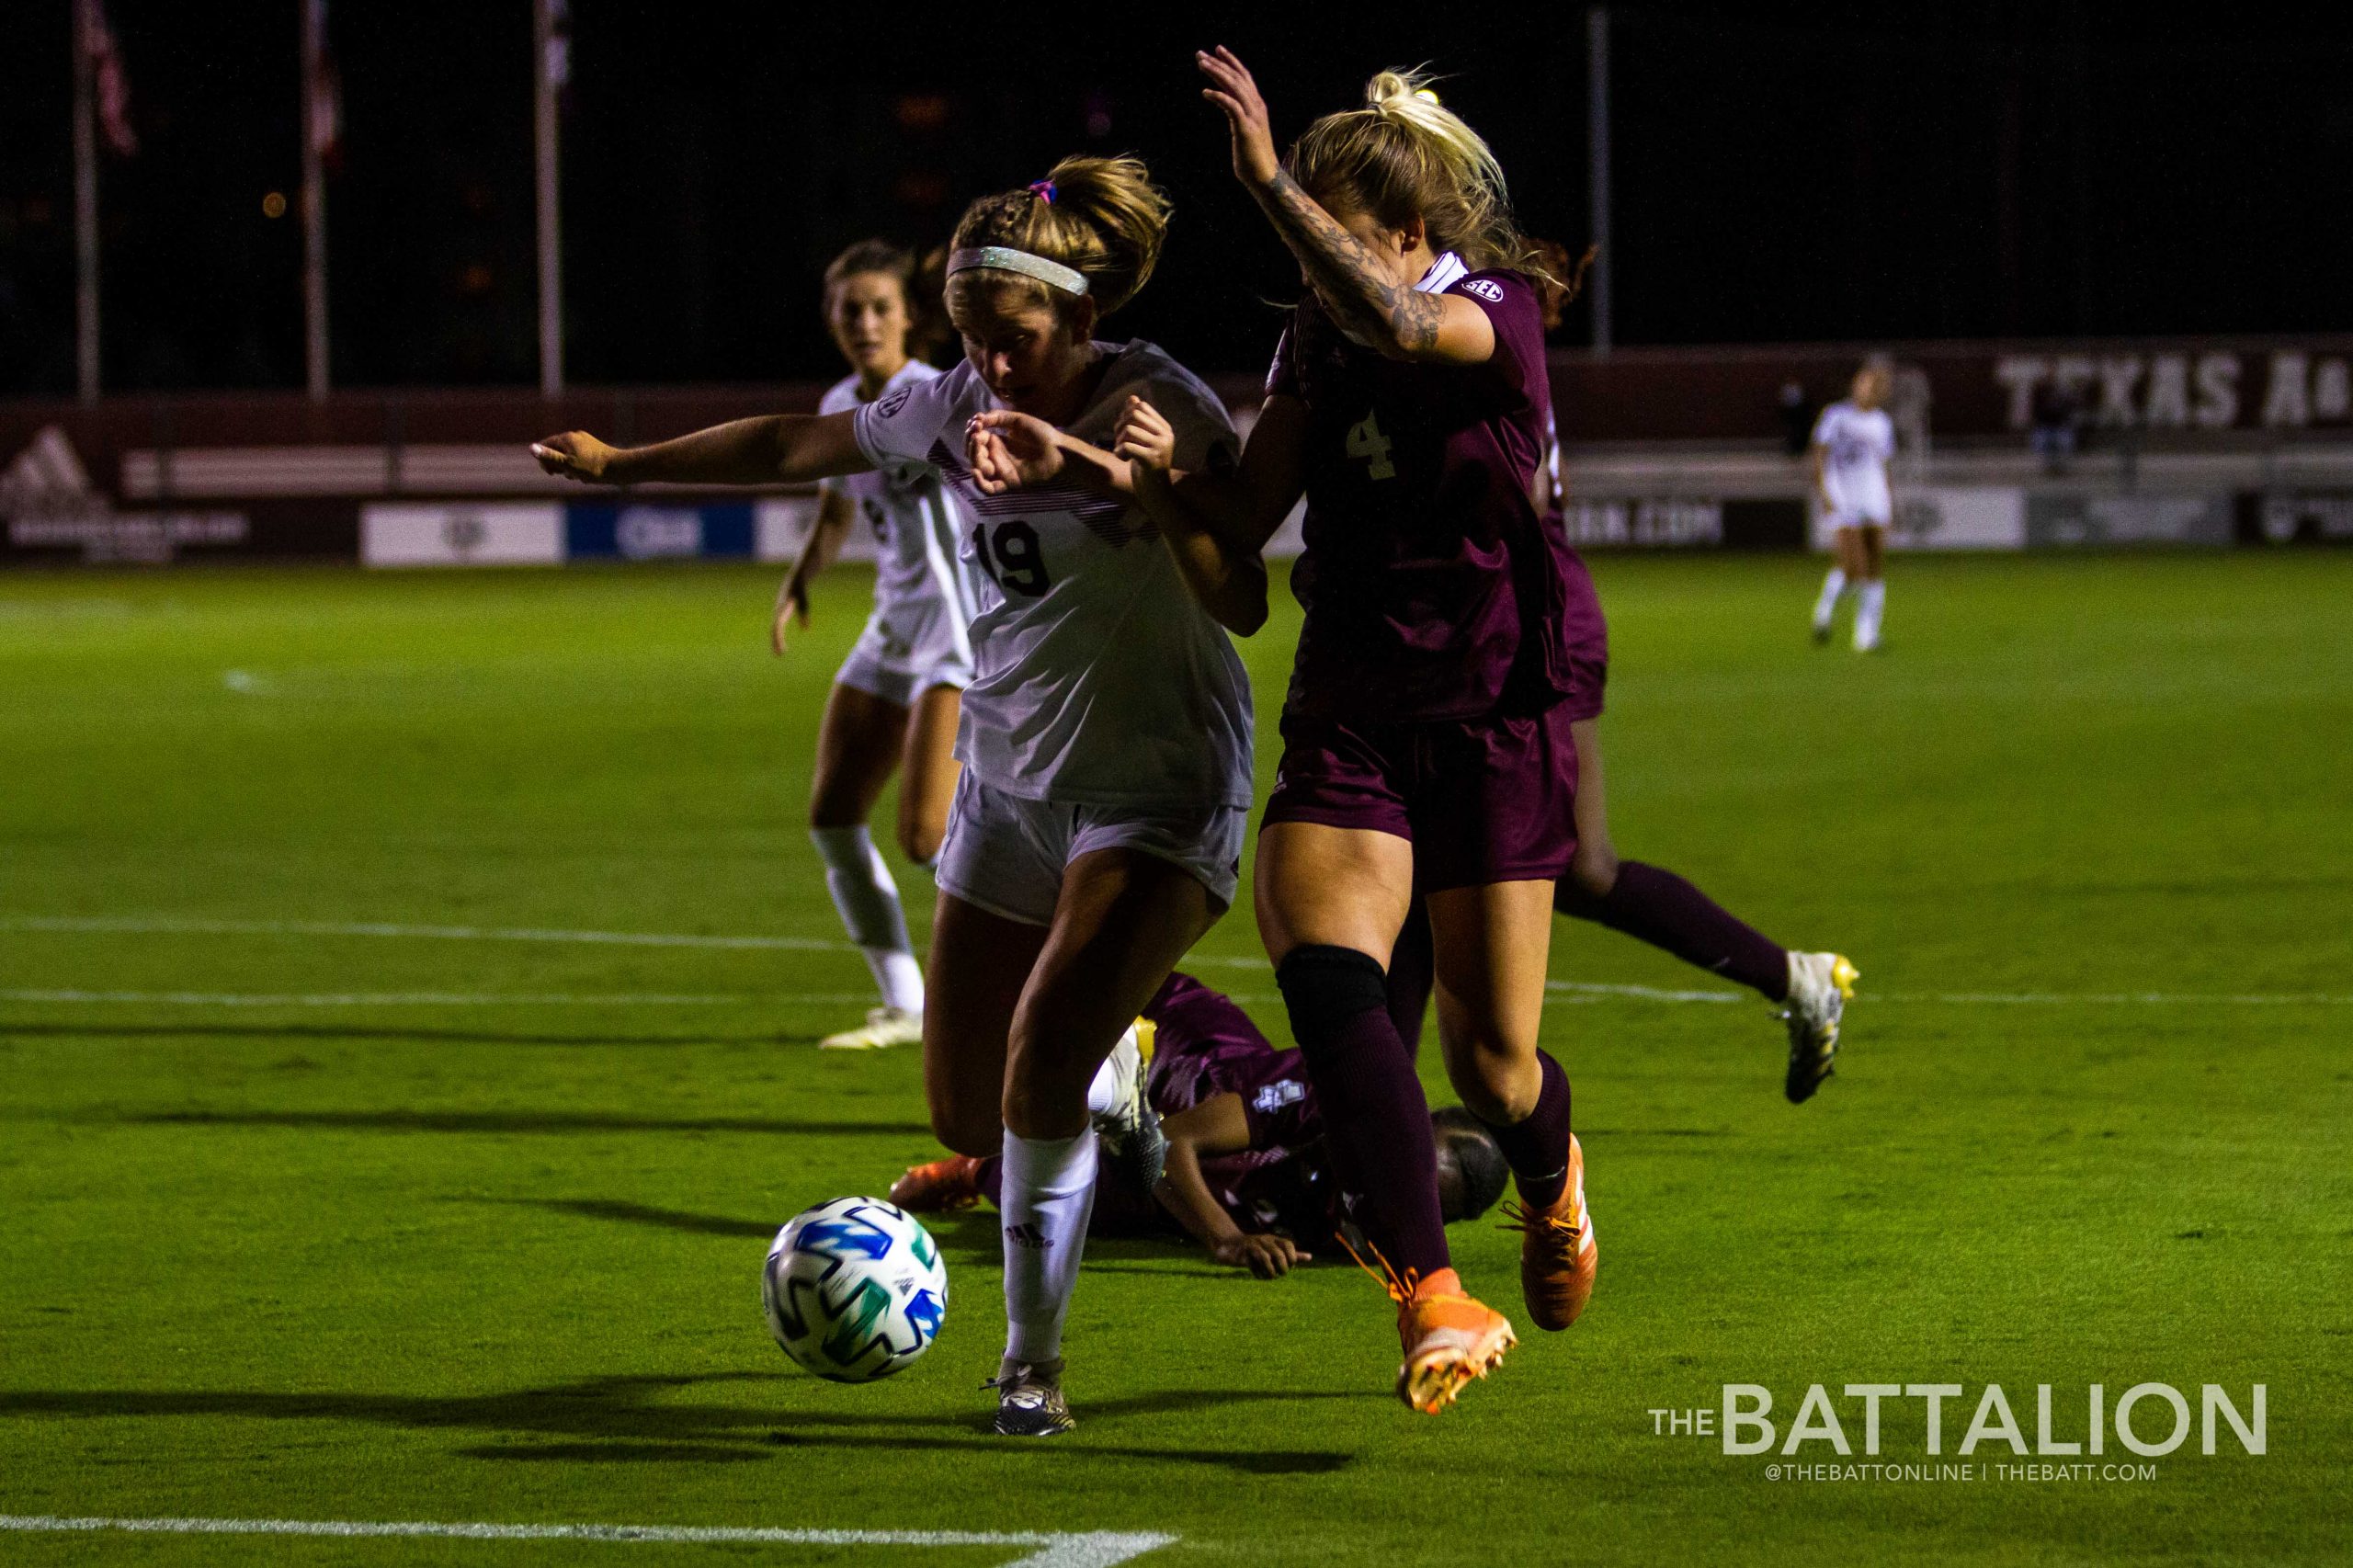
pixel 1432 588
pixel 1098 679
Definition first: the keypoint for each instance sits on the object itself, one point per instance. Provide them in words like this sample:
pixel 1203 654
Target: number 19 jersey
pixel 1098 679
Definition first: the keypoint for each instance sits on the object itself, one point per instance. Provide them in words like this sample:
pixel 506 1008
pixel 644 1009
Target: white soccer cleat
pixel 884 1028
pixel 1820 986
pixel 1131 1128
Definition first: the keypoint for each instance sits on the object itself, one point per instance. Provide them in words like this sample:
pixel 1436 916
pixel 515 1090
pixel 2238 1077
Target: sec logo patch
pixel 1486 289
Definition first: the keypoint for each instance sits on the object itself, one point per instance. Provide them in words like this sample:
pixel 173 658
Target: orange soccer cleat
pixel 940 1186
pixel 1449 1337
pixel 1557 1256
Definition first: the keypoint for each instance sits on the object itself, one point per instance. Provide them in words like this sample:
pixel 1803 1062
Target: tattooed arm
pixel 1362 288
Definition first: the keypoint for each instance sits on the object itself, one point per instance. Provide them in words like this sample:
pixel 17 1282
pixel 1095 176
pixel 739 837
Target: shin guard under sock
pixel 1659 907
pixel 1376 1120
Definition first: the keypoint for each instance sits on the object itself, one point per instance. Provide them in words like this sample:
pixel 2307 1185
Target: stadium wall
pixel 2186 443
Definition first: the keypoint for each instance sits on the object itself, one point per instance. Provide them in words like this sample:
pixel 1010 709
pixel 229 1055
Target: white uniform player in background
pixel 1096 829
pixel 894 703
pixel 1854 442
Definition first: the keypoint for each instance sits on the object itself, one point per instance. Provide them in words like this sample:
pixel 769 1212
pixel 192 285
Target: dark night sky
pixel 1784 172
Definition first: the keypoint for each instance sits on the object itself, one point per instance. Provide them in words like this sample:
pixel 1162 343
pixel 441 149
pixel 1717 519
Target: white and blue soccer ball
pixel 854 1289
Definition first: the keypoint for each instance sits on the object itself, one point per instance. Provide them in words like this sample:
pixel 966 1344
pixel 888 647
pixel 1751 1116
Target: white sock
pixel 1103 1095
pixel 867 901
pixel 1047 1193
pixel 1827 605
pixel 1871 598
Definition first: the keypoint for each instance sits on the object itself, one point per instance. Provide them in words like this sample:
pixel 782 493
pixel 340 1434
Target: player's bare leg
pixel 1120 923
pixel 928 773
pixel 1846 568
pixel 1491 944
pixel 858 746
pixel 1331 901
pixel 1870 599
pixel 980 962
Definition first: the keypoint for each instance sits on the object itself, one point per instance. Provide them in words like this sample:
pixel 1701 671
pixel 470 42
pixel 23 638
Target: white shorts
pixel 1006 854
pixel 901 655
pixel 1853 518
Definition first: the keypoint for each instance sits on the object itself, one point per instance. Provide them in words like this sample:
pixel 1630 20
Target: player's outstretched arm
pixel 1397 320
pixel 1217 1125
pixel 834 514
pixel 774 449
pixel 1215 523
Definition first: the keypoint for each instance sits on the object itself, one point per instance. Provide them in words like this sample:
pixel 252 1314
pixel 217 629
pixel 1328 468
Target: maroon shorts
pixel 1487 799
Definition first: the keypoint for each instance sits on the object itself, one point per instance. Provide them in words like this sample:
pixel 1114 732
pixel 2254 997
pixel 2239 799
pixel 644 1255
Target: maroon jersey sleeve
pixel 1517 316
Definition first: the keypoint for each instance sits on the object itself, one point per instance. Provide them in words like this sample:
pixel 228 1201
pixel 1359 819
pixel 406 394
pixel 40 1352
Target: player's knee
pixel 1323 987
pixel 1593 872
pixel 920 841
pixel 828 811
pixel 964 1128
pixel 1495 1083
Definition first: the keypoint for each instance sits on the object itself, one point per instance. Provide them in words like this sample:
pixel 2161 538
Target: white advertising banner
pixel 486 534
pixel 1956 516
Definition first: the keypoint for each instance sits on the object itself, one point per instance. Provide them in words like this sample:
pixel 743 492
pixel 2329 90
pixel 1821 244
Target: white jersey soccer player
pixel 1857 445
pixel 920 633
pixel 1097 679
pixel 1854 442
pixel 1096 830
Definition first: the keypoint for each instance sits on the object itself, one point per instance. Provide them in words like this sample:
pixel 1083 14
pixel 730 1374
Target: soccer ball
pixel 854 1289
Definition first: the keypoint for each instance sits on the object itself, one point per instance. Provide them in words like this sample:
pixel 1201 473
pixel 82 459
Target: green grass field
pixel 304 1221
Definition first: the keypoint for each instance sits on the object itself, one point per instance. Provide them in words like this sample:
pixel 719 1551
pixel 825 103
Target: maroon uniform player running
pixel 1246 1175
pixel 1426 751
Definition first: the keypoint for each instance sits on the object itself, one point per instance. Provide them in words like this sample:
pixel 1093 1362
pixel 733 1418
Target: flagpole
pixel 1597 67
pixel 85 196
pixel 314 200
pixel 551 64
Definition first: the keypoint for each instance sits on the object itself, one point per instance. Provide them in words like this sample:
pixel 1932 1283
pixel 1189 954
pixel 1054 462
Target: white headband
pixel 1004 259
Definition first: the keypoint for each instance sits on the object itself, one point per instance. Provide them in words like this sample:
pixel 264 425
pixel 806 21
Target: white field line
pixel 1099 1549
pixel 169 924
pixel 427 999
pixel 1563 991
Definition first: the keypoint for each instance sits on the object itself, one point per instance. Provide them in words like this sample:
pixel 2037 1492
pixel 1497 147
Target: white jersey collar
pixel 1444 273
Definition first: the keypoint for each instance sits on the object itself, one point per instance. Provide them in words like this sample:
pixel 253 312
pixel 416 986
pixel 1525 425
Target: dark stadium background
pixel 1784 173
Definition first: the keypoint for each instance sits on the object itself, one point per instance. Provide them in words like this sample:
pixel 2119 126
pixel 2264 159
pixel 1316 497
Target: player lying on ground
pixel 1427 748
pixel 1854 441
pixel 895 701
pixel 1106 737
pixel 1247 1176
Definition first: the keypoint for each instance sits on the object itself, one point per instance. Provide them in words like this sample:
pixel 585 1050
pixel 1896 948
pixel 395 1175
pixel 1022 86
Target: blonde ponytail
pixel 1102 217
pixel 1405 155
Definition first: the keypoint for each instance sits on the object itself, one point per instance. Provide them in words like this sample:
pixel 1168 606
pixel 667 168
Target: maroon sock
pixel 1659 907
pixel 1537 1146
pixel 1376 1120
pixel 1412 968
pixel 992 1178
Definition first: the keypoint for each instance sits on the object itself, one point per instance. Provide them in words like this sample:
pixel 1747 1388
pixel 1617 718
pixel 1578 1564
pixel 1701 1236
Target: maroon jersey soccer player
pixel 1427 748
pixel 1246 1173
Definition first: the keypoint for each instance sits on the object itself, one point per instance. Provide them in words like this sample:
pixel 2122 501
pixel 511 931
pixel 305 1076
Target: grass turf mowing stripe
pixel 1096 1549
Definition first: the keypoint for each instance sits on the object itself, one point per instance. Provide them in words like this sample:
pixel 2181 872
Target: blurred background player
pixel 1247 1175
pixel 1854 442
pixel 1096 831
pixel 895 701
pixel 1425 748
